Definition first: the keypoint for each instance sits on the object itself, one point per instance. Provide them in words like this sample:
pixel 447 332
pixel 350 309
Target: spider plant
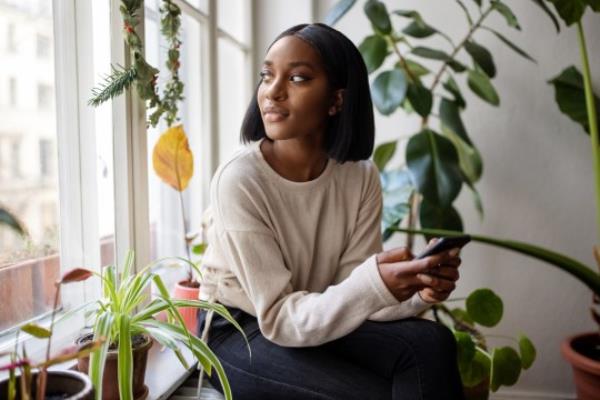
pixel 123 312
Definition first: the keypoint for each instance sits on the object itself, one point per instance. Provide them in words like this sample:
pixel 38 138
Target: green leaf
pixel 511 45
pixel 476 199
pixel 433 163
pixel 570 96
pixel 585 274
pixel 481 85
pixel 507 13
pixel 125 359
pixel 433 54
pixel 379 17
pixel 36 330
pixel 547 10
pixel 388 90
pixel 338 11
pixel 570 11
pixel 465 348
pixel 485 307
pixel 506 368
pixel 102 329
pixel 374 51
pixel 7 218
pixel 383 154
pixel 420 99
pixel 462 315
pixel 419 29
pixel 527 350
pixel 451 86
pixel 478 370
pixel 432 216
pixel 450 117
pixel 469 158
pixel 200 248
pixel 417 70
pixel 466 11
pixel 397 188
pixel 482 57
pixel 478 2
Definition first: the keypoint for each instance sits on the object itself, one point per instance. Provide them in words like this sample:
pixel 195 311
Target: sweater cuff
pixel 377 282
pixel 418 303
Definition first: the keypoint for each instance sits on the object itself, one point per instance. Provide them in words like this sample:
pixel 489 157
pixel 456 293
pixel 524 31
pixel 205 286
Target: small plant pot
pixel 110 382
pixel 64 385
pixel 583 352
pixel 480 391
pixel 184 290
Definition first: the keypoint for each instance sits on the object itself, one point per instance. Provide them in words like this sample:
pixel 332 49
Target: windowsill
pixel 164 373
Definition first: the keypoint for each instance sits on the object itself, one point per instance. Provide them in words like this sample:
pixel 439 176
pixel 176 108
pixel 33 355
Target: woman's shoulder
pixel 359 172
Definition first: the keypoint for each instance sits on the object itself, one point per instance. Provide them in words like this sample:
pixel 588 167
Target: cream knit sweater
pixel 299 256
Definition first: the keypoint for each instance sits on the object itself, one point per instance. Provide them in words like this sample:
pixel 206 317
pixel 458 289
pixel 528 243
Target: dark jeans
pixel 409 359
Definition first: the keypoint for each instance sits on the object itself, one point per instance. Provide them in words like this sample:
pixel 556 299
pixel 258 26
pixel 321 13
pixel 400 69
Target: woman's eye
pixel 298 78
pixel 264 74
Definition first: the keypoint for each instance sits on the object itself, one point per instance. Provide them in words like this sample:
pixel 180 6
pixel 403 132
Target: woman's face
pixel 294 97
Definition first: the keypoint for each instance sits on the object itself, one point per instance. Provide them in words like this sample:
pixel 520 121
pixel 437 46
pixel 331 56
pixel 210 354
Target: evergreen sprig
pixel 114 84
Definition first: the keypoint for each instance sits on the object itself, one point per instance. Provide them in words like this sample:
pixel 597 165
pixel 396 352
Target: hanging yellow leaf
pixel 172 158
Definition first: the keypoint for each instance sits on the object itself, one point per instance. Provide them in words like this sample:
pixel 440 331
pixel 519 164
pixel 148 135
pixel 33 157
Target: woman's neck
pixel 298 160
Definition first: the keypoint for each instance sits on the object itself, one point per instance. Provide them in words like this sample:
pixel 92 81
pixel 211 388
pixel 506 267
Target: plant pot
pixel 110 382
pixel 64 385
pixel 583 352
pixel 184 291
pixel 481 391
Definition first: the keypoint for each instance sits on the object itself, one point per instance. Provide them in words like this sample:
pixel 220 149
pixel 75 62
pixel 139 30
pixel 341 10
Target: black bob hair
pixel 350 133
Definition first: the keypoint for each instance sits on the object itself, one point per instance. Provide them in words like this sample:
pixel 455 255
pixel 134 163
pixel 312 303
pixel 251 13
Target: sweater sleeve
pixel 287 317
pixel 366 241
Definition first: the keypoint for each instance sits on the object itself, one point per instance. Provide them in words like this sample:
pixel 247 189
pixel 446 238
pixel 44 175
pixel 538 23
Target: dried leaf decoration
pixel 172 158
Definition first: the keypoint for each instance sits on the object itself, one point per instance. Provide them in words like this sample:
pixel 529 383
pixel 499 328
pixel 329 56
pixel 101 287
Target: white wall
pixel 537 184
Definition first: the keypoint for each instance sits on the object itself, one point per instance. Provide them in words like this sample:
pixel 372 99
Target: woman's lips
pixel 273 116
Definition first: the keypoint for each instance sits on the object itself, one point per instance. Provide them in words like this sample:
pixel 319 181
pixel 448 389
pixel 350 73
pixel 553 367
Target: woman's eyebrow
pixel 292 64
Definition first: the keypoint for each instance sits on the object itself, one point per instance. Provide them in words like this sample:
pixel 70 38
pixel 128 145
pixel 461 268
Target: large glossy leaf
pixel 506 12
pixel 450 117
pixel 510 44
pixel 420 98
pixel 570 11
pixel 482 57
pixel 543 6
pixel 433 163
pixel 418 27
pixel 469 157
pixel 485 307
pixel 506 367
pixel 481 85
pixel 434 54
pixel 378 15
pixel 582 272
pixel 338 11
pixel 451 86
pixel 383 154
pixel 374 51
pixel 475 372
pixel 432 216
pixel 397 188
pixel 172 158
pixel 570 96
pixel 7 218
pixel 412 68
pixel 465 348
pixel 388 90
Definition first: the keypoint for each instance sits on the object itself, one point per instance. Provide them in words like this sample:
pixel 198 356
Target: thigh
pixel 276 372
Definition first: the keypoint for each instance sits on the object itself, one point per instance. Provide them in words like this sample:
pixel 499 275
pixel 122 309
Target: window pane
pixel 233 97
pixel 28 160
pixel 232 16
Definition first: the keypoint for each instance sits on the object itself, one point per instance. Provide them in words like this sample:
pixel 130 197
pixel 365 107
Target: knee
pixel 439 338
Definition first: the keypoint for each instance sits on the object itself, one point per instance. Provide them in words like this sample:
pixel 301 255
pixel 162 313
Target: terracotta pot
pixel 582 351
pixel 184 291
pixel 73 384
pixel 110 382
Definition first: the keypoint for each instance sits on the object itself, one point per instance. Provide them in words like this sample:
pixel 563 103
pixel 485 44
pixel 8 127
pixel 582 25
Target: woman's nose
pixel 276 90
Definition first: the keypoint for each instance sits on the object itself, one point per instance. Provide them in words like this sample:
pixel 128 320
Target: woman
pixel 295 248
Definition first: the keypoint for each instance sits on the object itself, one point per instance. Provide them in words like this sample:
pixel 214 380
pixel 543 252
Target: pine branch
pixel 114 84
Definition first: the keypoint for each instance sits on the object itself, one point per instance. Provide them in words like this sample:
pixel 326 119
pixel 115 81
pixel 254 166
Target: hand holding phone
pixel 445 243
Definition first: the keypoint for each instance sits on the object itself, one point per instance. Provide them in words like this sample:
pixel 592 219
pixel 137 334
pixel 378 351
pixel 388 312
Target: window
pixel 46 153
pixel 12 91
pixel 11 45
pixel 42 46
pixel 44 96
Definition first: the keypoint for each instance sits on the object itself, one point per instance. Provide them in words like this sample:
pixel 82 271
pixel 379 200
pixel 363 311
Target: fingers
pixel 395 255
pixel 437 283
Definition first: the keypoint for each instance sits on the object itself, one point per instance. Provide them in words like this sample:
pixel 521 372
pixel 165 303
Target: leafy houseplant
pixel 483 369
pixel 123 317
pixel 34 380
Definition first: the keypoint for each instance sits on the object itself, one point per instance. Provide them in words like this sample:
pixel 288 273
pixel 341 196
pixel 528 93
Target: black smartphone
pixel 446 243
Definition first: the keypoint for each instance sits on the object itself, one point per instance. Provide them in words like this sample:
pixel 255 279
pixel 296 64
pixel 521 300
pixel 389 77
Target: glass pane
pixel 104 138
pixel 202 5
pixel 233 97
pixel 28 160
pixel 232 17
pixel 167 231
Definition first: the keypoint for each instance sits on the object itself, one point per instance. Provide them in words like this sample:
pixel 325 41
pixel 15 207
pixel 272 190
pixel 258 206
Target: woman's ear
pixel 338 100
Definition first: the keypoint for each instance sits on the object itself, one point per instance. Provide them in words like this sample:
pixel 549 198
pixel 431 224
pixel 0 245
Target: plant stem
pixel 402 59
pixel 187 247
pixel 591 112
pixel 413 204
pixel 461 325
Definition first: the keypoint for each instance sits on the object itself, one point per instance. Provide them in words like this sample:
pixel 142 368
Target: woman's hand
pixel 432 277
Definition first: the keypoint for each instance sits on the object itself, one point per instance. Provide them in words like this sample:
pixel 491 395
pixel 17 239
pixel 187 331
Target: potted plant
pixel 28 379
pixel 127 321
